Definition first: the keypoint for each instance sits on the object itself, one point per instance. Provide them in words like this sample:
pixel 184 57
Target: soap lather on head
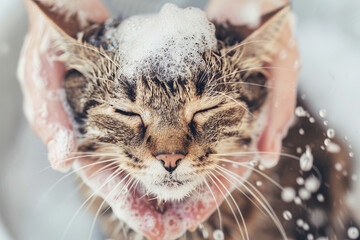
pixel 163 44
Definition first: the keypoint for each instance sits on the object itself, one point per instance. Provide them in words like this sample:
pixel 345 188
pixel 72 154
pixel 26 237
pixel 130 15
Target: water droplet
pixel 301 131
pixel 322 113
pixel 330 133
pixel 338 166
pixel 287 215
pixel 218 235
pixel 300 112
pixel 322 147
pixel 304 194
pixel 306 227
pixel 298 150
pixel 300 181
pixel 320 197
pixel 258 183
pixel 254 162
pixel 312 184
pixel 306 160
pixel 351 154
pixel 353 233
pixel 318 217
pixel 310 236
pixel 326 123
pixel 288 194
pixel 297 200
pixel 300 222
pixel 311 120
pixel 332 147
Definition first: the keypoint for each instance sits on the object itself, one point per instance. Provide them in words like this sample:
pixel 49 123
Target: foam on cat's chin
pixel 168 44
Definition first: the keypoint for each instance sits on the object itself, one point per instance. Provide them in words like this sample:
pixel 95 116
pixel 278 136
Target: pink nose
pixel 170 161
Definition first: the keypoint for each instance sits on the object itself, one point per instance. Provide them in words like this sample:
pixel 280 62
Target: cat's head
pixel 168 130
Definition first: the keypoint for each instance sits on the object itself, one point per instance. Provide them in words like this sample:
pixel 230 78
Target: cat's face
pixel 190 119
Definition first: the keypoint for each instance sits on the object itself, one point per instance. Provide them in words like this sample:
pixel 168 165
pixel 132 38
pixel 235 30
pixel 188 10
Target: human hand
pixel 283 70
pixel 41 78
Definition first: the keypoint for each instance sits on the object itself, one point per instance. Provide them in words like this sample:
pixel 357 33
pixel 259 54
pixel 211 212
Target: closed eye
pixel 206 110
pixel 130 114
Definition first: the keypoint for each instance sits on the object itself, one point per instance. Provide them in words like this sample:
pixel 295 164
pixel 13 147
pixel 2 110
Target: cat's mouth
pixel 172 183
pixel 145 213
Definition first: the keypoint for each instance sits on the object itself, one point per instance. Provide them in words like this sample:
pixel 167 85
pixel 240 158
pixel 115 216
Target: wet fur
pixel 96 95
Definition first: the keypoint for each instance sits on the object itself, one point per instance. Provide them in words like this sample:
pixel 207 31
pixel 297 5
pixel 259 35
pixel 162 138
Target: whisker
pixel 69 174
pixel 239 189
pixel 207 70
pixel 253 68
pixel 217 205
pixel 237 102
pixel 236 205
pixel 291 156
pixel 264 203
pixel 80 185
pixel 97 51
pixel 255 170
pixel 112 176
pixel 103 203
pixel 83 156
pixel 227 201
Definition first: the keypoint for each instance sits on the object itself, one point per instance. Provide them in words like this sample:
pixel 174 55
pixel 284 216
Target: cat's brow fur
pixel 234 82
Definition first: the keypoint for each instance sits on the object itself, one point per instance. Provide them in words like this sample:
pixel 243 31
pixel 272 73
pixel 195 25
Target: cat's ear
pixel 252 48
pixel 71 38
pixel 67 23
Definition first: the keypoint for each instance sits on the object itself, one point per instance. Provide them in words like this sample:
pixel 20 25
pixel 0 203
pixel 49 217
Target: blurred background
pixel 329 39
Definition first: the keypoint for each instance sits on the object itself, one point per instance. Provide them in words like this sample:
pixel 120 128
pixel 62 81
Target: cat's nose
pixel 170 161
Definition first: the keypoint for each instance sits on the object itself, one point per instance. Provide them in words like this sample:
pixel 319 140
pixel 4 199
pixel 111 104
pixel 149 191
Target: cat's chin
pixel 141 211
pixel 172 190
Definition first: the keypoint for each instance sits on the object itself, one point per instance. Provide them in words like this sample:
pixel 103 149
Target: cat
pixel 174 135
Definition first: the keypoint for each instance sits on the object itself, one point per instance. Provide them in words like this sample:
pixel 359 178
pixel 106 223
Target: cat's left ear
pixel 252 48
pixel 68 23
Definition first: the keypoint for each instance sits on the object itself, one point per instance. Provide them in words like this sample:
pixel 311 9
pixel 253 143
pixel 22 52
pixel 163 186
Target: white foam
pixel 169 44
pixel 59 147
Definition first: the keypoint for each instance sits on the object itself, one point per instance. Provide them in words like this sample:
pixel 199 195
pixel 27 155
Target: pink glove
pixel 41 79
pixel 283 70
